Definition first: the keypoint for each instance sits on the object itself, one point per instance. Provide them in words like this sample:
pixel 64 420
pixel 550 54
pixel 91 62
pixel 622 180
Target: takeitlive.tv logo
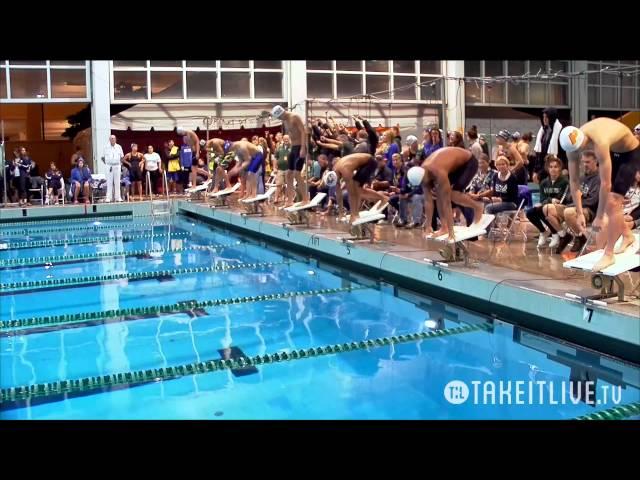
pixel 520 392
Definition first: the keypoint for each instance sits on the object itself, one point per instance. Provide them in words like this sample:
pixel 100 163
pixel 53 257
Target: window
pixel 129 85
pixel 594 96
pixel 67 63
pixel 40 63
pixel 348 85
pixel 201 84
pixel 627 99
pixel 609 97
pixel 612 90
pixel 319 65
pixel 516 67
pixel 270 64
pixel 235 84
pixel 558 94
pixel 319 85
pixel 517 93
pixel 493 68
pixel 349 65
pixel 201 63
pixel 166 63
pixel 267 84
pixel 376 65
pixel 404 66
pixel 130 63
pixel 234 63
pixel 166 85
pixel 538 93
pixel 399 93
pixel 473 89
pixel 3 83
pixel 378 85
pixel 199 79
pixel 430 67
pixel 494 93
pixel 68 83
pixel 28 83
pixel 431 91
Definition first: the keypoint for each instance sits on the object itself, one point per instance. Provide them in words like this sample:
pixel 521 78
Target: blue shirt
pixel 79 175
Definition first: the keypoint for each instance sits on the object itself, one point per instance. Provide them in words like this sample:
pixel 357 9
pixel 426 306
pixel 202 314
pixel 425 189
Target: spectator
pixel 474 143
pixel 556 214
pixel 76 155
pixel 485 147
pixel 636 131
pixel 405 195
pixel 54 184
pixel 280 165
pixel 153 165
pixel 172 154
pixel 125 178
pixel 553 190
pixel 14 170
pixel 410 152
pixel 526 152
pixel 24 165
pixel 134 160
pixel 319 168
pixel 434 142
pixel 202 171
pixel 504 190
pixel 547 139
pixel 509 150
pixel 456 140
pixel 80 178
pixel 112 156
pixel 383 175
pixel 391 147
pixel 631 205
pixel 397 139
pixel 482 183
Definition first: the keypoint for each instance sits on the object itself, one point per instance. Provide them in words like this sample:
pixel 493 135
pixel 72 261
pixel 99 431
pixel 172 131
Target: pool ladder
pixel 159 207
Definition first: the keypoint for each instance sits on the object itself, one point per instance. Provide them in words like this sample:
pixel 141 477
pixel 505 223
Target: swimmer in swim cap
pixel 618 154
pixel 294 127
pixel 250 158
pixel 216 148
pixel 191 139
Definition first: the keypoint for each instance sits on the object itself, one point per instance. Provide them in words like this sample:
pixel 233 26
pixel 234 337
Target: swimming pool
pixel 176 319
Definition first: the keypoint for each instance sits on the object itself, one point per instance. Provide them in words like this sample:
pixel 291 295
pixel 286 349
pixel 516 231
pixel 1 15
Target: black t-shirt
pixel 507 190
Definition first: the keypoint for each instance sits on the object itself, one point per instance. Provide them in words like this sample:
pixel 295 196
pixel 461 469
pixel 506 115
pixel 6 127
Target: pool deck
pixel 512 281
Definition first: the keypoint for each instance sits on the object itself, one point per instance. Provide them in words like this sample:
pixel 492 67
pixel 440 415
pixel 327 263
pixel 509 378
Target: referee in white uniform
pixel 112 156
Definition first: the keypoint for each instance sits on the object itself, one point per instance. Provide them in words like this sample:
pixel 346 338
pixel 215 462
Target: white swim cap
pixel 330 179
pixel 637 128
pixel 415 175
pixel 571 139
pixel 277 111
pixel 203 142
pixel 411 139
pixel 180 130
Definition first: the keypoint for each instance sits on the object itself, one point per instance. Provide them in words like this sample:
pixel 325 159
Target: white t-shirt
pixel 151 161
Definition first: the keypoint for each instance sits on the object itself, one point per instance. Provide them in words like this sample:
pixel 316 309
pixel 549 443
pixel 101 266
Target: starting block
pixel 220 197
pixel 362 229
pixel 254 206
pixel 455 250
pixel 298 213
pixel 608 279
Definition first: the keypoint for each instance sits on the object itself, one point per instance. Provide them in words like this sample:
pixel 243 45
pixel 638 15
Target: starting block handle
pixel 586 300
pixel 436 263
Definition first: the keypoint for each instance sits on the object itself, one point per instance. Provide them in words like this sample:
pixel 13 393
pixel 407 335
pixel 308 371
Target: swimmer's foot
pixel 478 211
pixel 604 262
pixel 440 232
pixel 627 241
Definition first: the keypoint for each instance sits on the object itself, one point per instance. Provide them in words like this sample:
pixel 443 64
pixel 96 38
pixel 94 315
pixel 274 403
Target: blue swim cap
pixel 227 146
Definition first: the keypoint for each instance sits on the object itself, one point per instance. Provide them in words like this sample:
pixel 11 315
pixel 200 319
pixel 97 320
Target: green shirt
pixel 282 155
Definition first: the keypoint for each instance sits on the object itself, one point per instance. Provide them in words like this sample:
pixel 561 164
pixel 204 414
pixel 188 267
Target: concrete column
pixel 296 82
pixel 579 93
pixel 100 111
pixel 454 95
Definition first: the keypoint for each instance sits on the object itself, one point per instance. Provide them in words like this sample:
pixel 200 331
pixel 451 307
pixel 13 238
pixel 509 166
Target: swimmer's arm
pixel 428 205
pixel 573 159
pixel 604 161
pixel 516 154
pixel 443 190
pixel 339 200
pixel 332 140
pixel 125 160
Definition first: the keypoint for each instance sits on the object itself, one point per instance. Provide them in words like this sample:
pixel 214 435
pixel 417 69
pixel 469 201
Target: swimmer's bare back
pixel 346 166
pixel 611 134
pixel 447 159
pixel 295 129
pixel 215 145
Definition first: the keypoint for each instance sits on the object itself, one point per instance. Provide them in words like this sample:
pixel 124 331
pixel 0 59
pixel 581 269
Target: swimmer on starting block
pixel 449 170
pixel 357 170
pixel 190 138
pixel 251 158
pixel 217 148
pixel 294 127
pixel 618 154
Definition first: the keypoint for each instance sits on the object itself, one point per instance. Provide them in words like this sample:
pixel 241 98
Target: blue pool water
pixel 401 381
